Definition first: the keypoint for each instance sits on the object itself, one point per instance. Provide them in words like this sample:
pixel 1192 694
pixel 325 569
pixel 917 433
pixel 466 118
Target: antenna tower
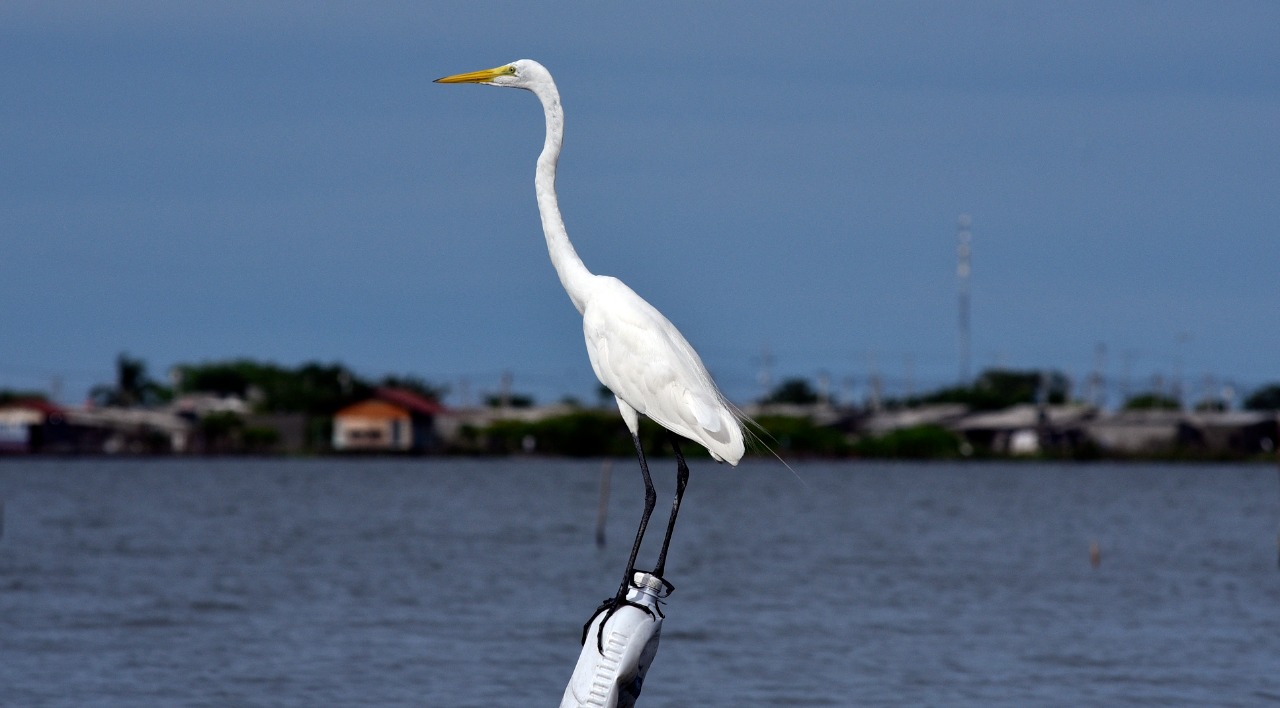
pixel 963 244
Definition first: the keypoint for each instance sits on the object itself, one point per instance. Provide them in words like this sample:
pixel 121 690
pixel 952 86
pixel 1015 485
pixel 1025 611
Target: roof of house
pixel 204 403
pixel 934 414
pixel 1026 415
pixel 133 417
pixel 409 401
pixel 1231 419
pixel 1140 418
pixel 373 408
pixel 33 404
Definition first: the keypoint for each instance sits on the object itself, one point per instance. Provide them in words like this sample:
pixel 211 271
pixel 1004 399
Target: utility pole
pixel 1126 385
pixel 1097 394
pixel 824 388
pixel 1178 392
pixel 964 241
pixel 875 384
pixel 464 392
pixel 765 376
pixel 504 390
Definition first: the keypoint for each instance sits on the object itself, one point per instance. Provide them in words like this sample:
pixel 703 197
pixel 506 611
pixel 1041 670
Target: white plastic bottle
pixel 630 640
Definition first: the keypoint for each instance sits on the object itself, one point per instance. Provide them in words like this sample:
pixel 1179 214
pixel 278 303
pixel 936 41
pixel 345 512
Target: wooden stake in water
pixel 602 509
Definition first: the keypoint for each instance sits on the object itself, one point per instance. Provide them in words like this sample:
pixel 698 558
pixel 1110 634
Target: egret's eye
pixel 511 70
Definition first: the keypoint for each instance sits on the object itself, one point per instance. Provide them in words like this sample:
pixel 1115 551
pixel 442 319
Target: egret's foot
pixel 608 607
pixel 613 604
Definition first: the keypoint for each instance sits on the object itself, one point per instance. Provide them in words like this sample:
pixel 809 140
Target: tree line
pixel 318 390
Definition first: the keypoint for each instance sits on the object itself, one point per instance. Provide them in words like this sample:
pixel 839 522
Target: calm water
pixel 465 583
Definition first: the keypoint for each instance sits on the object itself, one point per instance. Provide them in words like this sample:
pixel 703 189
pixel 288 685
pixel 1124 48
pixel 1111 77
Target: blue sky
pixel 192 181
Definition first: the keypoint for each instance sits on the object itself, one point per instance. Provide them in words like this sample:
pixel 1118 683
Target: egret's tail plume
pixel 752 432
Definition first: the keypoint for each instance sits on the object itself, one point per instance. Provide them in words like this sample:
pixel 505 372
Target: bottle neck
pixel 648 589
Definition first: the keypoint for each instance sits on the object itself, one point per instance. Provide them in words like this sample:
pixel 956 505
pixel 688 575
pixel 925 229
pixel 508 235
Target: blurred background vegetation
pixel 785 422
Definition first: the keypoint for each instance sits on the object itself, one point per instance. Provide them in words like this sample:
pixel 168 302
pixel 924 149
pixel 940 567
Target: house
pixel 130 431
pixel 22 425
pixel 1026 429
pixel 1133 432
pixel 227 423
pixel 35 426
pixel 1231 432
pixel 885 421
pixel 394 420
pixel 820 413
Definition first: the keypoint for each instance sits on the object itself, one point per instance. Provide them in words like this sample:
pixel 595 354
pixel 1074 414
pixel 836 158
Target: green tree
pixel 228 433
pixel 416 384
pixel 313 388
pixel 995 389
pixel 585 433
pixel 1266 398
pixel 512 400
pixel 231 378
pixel 133 386
pixel 10 396
pixel 920 442
pixel 221 431
pixel 799 435
pixel 795 390
pixel 1151 402
pixel 1211 405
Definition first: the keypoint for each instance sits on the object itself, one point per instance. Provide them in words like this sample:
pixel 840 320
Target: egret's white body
pixel 636 352
pixel 653 371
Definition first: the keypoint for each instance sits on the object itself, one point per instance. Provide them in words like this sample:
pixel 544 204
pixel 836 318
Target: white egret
pixel 634 350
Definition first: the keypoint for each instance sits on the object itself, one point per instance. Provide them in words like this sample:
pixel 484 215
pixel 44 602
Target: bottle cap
pixel 646 580
pixel 649 582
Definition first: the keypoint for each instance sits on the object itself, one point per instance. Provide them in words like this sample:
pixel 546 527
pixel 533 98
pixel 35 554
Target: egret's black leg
pixel 650 500
pixel 612 604
pixel 682 480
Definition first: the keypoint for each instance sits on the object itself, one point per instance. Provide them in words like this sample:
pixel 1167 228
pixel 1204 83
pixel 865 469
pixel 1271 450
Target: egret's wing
pixel 640 356
pixel 708 417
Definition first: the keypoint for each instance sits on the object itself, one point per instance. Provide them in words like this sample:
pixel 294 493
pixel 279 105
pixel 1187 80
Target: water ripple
pixel 465 583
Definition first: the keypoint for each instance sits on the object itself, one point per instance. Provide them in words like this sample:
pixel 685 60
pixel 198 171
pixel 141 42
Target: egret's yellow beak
pixel 478 77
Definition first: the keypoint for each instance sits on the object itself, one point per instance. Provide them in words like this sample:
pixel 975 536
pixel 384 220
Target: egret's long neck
pixel 574 276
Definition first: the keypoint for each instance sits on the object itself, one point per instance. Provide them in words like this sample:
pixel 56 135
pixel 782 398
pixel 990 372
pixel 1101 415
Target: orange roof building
pixel 394 421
